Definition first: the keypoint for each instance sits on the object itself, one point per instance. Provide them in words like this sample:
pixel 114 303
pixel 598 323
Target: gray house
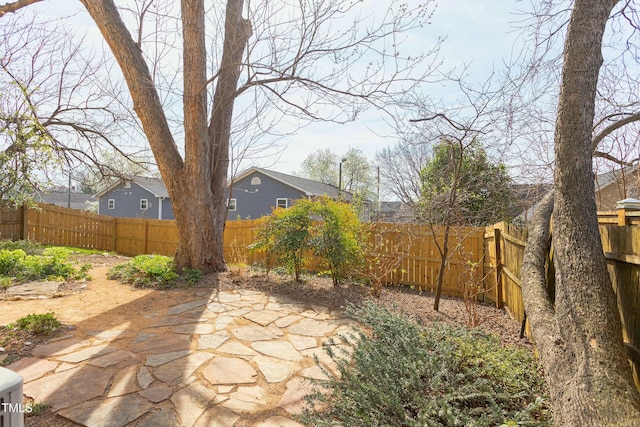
pixel 135 197
pixel 254 193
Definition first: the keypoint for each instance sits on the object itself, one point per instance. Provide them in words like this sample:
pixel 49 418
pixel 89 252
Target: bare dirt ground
pixel 84 302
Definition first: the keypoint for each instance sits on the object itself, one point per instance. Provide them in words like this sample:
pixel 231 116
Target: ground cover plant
pixel 20 262
pixel 401 374
pixel 33 327
pixel 153 271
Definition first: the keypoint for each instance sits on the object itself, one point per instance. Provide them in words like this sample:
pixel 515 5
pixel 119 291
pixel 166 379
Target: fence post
pixel 622 217
pixel 498 239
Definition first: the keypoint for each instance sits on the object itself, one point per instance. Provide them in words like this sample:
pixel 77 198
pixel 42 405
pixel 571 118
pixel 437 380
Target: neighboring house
pixel 135 197
pixel 526 197
pixel 617 185
pixel 395 212
pixel 66 199
pixel 254 193
pixel 610 188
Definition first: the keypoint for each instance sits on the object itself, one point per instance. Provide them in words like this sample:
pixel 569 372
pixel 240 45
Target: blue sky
pixel 479 34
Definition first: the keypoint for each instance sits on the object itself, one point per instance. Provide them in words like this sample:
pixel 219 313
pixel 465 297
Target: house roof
pixel 61 198
pixel 307 186
pixel 153 185
pixel 601 181
pixel 606 179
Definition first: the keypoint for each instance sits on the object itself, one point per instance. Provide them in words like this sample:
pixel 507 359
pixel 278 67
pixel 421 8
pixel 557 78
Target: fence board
pixel 11 223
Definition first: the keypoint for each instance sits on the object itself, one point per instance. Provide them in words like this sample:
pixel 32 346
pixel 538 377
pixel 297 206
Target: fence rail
pixel 491 257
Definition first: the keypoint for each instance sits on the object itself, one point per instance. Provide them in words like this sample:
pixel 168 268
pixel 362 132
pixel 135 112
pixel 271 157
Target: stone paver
pixel 124 382
pixel 292 400
pixel 162 418
pixel 280 349
pixel 157 394
pixel 111 358
pixel 180 369
pixel 69 388
pixel 213 341
pixel 247 400
pixel 32 368
pixel 88 353
pixel 162 344
pixel 108 413
pixel 191 401
pixel 144 377
pixel 233 359
pixel 161 359
pixel 226 370
pixel 60 347
pixel 274 370
pixel 253 333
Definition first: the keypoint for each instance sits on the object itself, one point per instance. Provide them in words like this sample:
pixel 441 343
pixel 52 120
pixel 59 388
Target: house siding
pixel 254 204
pixel 127 203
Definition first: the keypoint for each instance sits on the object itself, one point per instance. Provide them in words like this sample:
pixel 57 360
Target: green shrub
pixel 152 271
pixel 401 374
pixel 284 235
pixel 336 237
pixel 30 248
pixel 41 324
pixel 11 261
pixel 324 227
pixel 51 264
pixel 5 282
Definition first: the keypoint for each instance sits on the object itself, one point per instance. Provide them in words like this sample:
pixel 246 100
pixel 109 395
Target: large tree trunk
pixel 580 339
pixel 197 185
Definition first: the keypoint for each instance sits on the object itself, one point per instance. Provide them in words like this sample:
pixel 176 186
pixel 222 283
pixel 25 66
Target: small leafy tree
pixel 336 237
pixel 285 236
pixel 327 228
pixel 461 185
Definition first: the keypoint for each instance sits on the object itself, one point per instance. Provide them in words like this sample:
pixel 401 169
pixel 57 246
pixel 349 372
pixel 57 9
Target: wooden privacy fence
pixel 133 236
pixel 620 233
pixel 488 259
pixel 54 225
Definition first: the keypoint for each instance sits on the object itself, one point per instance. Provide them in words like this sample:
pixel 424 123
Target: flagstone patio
pixel 232 358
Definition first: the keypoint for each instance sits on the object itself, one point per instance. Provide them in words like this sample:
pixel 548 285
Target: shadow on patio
pixel 202 357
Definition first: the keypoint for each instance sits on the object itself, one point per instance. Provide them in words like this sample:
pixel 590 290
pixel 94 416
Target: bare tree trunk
pixel 197 185
pixel 444 254
pixel 580 339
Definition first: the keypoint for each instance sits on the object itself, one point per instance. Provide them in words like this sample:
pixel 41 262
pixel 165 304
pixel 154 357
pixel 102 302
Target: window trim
pixel 146 204
pixel 111 203
pixel 232 205
pixel 286 202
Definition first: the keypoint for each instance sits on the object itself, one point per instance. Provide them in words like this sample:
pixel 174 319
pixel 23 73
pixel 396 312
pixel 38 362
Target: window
pixel 282 203
pixel 111 204
pixel 255 181
pixel 144 204
pixel 231 204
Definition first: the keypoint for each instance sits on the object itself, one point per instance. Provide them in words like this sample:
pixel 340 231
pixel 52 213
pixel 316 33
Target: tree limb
pixel 16 5
pixel 612 127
